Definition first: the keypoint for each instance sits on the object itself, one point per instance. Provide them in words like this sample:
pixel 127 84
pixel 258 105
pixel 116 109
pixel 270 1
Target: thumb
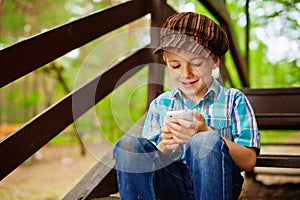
pixel 164 129
pixel 198 116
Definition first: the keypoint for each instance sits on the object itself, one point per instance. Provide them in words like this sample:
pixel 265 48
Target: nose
pixel 186 71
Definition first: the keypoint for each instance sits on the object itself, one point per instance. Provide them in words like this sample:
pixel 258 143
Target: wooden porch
pixel 270 105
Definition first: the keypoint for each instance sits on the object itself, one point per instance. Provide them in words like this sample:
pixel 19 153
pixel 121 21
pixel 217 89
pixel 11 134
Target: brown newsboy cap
pixel 195 33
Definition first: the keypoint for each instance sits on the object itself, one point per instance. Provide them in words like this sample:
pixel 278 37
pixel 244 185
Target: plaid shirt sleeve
pixel 245 130
pixel 152 124
pixel 155 119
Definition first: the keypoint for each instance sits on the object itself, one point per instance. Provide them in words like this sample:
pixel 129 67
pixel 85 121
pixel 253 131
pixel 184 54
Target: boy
pixel 198 159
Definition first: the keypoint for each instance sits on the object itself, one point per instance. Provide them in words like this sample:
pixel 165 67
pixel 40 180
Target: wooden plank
pixel 23 143
pixel 284 122
pixel 32 53
pixel 276 108
pixel 271 91
pixel 287 161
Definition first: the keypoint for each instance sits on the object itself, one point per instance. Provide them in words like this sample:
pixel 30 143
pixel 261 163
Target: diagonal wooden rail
pixel 17 61
pixel 40 130
pixel 32 53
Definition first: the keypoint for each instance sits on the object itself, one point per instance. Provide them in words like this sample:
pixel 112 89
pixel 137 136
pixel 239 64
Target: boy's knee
pixel 130 143
pixel 202 144
pixel 134 154
pixel 208 138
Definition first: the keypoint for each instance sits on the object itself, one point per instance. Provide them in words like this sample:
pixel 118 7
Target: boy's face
pixel 190 73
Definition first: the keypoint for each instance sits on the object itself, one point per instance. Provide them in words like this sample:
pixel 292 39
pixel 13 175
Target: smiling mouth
pixel 189 84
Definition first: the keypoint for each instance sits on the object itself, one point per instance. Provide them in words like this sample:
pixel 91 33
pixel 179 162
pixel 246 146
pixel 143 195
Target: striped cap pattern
pixel 195 33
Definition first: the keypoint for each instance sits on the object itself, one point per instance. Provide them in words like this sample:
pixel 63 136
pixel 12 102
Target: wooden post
pixel 156 71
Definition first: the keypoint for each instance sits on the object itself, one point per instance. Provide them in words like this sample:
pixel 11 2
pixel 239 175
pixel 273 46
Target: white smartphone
pixel 173 115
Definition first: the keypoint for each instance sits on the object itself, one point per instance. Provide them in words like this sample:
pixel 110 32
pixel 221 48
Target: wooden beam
pixel 32 53
pixel 285 161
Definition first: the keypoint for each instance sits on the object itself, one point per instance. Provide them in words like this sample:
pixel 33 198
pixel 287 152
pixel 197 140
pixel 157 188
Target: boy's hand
pixel 183 130
pixel 167 143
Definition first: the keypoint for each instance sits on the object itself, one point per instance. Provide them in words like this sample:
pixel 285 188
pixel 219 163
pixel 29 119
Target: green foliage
pixel 279 137
pixel 274 29
pixel 31 100
pixel 118 112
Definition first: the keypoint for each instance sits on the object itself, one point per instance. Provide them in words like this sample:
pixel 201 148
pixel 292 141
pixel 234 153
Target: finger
pixel 181 131
pixel 181 140
pixel 174 146
pixel 175 128
pixel 201 124
pixel 166 136
pixel 168 142
pixel 198 115
pixel 184 134
pixel 164 129
pixel 185 123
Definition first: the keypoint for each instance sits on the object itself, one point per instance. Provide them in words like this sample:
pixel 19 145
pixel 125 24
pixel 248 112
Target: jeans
pixel 144 172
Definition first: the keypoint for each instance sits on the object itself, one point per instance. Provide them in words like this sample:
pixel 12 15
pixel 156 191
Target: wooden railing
pixel 31 54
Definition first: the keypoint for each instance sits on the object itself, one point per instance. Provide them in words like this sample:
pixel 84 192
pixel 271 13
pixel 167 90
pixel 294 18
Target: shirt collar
pixel 214 89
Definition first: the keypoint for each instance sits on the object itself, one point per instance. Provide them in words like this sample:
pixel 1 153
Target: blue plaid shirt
pixel 226 110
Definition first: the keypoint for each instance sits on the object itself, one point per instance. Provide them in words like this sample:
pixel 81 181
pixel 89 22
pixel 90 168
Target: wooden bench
pixel 277 109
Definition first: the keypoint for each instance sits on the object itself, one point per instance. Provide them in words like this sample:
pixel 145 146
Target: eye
pixel 197 64
pixel 175 66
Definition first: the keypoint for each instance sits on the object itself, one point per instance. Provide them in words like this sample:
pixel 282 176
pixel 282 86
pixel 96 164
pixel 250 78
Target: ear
pixel 215 69
pixel 164 57
pixel 216 62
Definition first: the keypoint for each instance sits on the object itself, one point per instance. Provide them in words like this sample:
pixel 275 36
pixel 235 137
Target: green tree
pixel 274 41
